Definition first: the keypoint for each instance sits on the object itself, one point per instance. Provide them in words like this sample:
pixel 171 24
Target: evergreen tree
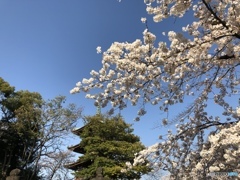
pixel 19 129
pixel 32 132
pixel 109 144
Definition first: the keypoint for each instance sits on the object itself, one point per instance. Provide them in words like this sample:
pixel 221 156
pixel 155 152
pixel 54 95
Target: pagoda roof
pixel 77 131
pixel 78 165
pixel 77 148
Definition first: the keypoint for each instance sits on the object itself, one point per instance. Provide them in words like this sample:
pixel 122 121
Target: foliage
pixel 33 131
pixel 201 64
pixel 109 143
pixel 19 129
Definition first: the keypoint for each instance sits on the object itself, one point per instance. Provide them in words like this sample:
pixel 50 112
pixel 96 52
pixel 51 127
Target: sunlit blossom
pixel 199 65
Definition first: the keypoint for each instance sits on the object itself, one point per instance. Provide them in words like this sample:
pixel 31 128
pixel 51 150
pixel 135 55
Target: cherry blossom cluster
pixel 222 151
pixel 186 155
pixel 204 65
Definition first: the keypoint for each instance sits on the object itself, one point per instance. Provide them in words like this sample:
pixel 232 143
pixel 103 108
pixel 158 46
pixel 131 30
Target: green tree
pixel 19 129
pixel 32 132
pixel 109 143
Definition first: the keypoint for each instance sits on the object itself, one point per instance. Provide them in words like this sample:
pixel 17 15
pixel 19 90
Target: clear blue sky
pixel 48 46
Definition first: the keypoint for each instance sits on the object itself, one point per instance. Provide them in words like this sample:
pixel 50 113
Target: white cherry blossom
pixel 200 63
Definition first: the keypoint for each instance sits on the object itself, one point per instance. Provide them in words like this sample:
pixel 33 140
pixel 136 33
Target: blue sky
pixel 48 46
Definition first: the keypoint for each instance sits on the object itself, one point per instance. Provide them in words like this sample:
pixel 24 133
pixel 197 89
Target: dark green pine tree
pixel 109 143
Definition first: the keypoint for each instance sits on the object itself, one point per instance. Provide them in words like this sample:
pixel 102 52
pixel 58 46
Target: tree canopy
pixel 109 144
pixel 32 132
pixel 199 64
pixel 19 129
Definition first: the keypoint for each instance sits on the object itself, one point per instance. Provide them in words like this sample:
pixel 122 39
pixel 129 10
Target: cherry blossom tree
pixel 200 63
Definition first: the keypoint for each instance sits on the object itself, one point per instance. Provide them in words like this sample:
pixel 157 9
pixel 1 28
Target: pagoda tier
pixel 78 165
pixel 77 131
pixel 77 148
